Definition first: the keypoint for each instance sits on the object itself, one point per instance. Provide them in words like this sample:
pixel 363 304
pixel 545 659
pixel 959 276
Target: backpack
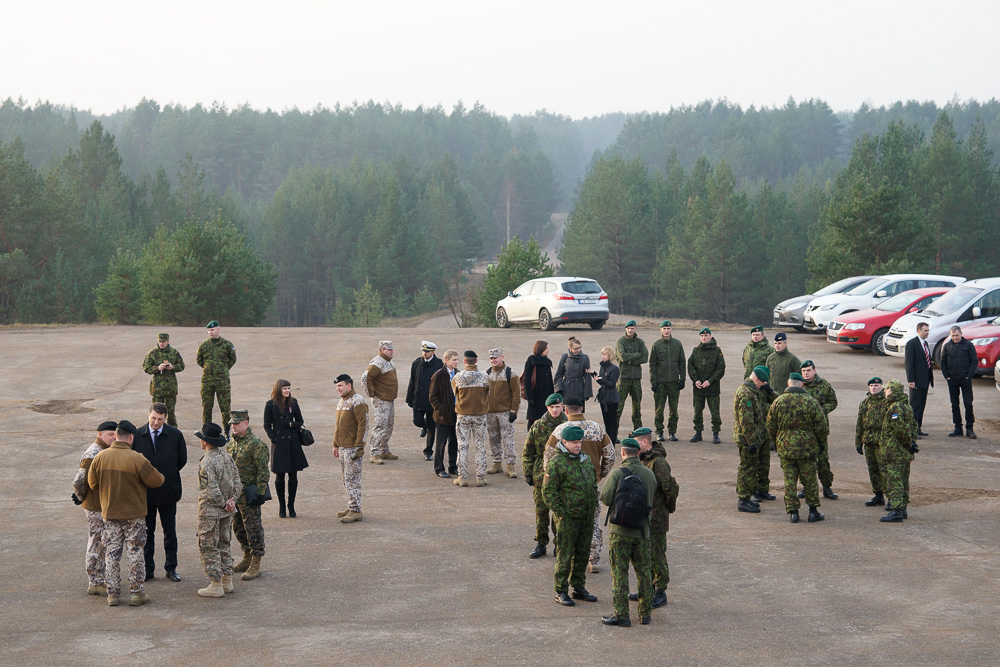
pixel 524 391
pixel 629 509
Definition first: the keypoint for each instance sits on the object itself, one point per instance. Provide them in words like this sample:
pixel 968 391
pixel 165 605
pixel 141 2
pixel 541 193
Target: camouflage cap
pixel 781 335
pixel 896 388
pixel 762 373
pixel 665 323
pixel 630 323
pixel 875 380
pixel 107 426
pixel 706 330
pixel 631 443
pixel 572 433
pixel 496 352
pixel 237 416
pixel 797 377
pixel 808 363
pixel 385 345
pixel 757 328
pixel 553 399
pixel 642 430
pixel 212 324
pixel 163 336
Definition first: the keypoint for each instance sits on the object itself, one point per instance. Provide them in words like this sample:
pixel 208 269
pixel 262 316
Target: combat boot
pixel 538 552
pixel 672 437
pixel 352 517
pixel 583 594
pixel 564 599
pixel 877 501
pixel 342 513
pixel 227 583
pixel 765 494
pixel 99 589
pixel 494 469
pixel 112 600
pixel 253 571
pixel 509 469
pixel 829 493
pixel 969 433
pixel 243 564
pixel 814 515
pixel 747 506
pixel 213 590
pixel 138 599
pixel 659 436
pixel 659 598
pixel 793 516
pixel 957 432
pixel 461 481
pixel 894 516
pixel 388 456
pixel 376 459
pixel 480 481
pixel 755 497
pixel 696 437
pixel 715 438
pixel 802 493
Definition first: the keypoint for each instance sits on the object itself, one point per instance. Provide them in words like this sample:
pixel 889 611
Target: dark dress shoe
pixel 614 620
pixel 443 475
pixel 877 500
pixel 538 552
pixel 583 594
pixel 956 433
pixel 802 493
pixel 765 495
pixel 564 600
pixel 672 437
pixel 894 516
pixel 829 493
pixel 659 598
pixel 905 515
pixel 453 471
pixel 793 516
pixel 970 433
pixel 644 619
pixel 814 515
pixel 173 576
pixel 423 433
pixel 694 438
pixel 149 573
pixel 633 597
pixel 715 439
pixel 747 506
pixel 921 434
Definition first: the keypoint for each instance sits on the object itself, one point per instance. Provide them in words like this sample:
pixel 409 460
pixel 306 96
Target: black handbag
pixel 253 496
pixel 306 437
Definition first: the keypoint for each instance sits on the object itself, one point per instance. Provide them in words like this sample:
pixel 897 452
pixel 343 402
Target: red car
pixel 986 338
pixel 867 328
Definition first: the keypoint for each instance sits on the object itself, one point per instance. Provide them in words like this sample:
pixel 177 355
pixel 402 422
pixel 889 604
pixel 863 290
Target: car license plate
pixel 588 302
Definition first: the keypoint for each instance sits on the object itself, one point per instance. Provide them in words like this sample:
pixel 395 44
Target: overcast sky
pixel 574 58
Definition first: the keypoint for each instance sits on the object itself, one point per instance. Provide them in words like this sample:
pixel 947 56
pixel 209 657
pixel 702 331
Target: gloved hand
pixel 913 448
pixel 530 480
pixel 512 418
pixel 861 449
pixel 752 450
pixel 653 387
pixel 680 385
pixel 767 389
pixel 76 500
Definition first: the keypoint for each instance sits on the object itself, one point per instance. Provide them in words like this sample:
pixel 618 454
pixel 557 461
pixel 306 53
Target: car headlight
pixel 829 306
pixel 795 306
pixel 855 326
pixel 979 342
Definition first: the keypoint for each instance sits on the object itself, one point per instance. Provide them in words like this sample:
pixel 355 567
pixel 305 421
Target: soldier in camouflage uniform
pixel 654 456
pixel 532 462
pixel 163 363
pixel 823 392
pixel 631 353
pixel 867 434
pixel 349 444
pixel 216 356
pixel 706 367
pixel 91 502
pixel 251 457
pixel 750 432
pixel 505 400
pixel 799 429
pixel 570 490
pixel 382 386
pixel 472 395
pixel 218 488
pixel 897 446
pixel 666 378
pixel 756 352
pixel 781 363
pixel 629 545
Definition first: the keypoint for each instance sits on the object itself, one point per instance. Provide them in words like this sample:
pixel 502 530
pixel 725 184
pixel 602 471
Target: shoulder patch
pixel 749 404
pixel 894 416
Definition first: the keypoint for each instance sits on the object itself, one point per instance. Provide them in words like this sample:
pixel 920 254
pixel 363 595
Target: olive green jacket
pixel 666 361
pixel 631 354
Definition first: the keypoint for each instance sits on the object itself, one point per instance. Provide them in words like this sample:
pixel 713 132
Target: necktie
pixel 927 355
pixel 154 435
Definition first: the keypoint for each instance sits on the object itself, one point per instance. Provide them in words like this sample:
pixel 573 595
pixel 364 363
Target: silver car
pixel 790 312
pixel 552 301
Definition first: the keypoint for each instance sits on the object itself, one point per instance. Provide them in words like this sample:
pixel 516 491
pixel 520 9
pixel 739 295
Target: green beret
pixel 875 380
pixel 807 363
pixel 706 330
pixel 796 376
pixel 212 324
pixel 666 323
pixel 572 433
pixel 237 416
pixel 553 399
pixel 163 337
pixel 762 373
pixel 630 443
pixel 642 430
pixel 757 328
pixel 630 323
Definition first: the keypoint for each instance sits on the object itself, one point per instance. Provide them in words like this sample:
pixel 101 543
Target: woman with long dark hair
pixel 537 379
pixel 282 422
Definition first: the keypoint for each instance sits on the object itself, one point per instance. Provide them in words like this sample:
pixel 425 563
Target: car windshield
pixel 897 303
pixel 837 287
pixel 582 287
pixel 867 286
pixel 952 301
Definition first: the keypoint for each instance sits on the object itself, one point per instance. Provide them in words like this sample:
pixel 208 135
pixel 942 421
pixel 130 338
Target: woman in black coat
pixel 282 422
pixel 537 379
pixel 607 395
pixel 573 374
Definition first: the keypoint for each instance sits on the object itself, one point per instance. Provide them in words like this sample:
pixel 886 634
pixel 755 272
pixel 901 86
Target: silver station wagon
pixel 552 301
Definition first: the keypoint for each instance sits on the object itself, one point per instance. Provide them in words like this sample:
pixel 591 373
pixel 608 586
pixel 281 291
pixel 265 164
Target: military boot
pixel 342 513
pixel 538 552
pixel 461 481
pixel 696 437
pixel 480 481
pixel 957 432
pixel 793 516
pixel 253 571
pixel 138 599
pixel 243 564
pixel 376 459
pixel 112 600
pixel 659 598
pixel 765 494
pixel 509 469
pixel 877 501
pixel 802 493
pixel 969 433
pixel 814 515
pixel 213 590
pixel 227 583
pixel 673 437
pixel 99 589
pixel 659 436
pixel 352 517
pixel 747 506
pixel 494 469
pixel 388 456
pixel 894 516
pixel 829 493
pixel 715 438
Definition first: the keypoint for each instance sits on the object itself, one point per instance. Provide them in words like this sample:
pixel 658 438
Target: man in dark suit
pixel 442 400
pixel 424 366
pixel 165 448
pixel 919 373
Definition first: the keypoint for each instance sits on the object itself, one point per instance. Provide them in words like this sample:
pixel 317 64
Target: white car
pixel 823 310
pixel 970 303
pixel 789 312
pixel 554 301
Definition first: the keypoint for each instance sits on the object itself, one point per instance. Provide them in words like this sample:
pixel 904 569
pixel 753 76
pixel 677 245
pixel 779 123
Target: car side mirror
pixel 881 294
pixel 510 294
pixel 913 309
pixel 977 311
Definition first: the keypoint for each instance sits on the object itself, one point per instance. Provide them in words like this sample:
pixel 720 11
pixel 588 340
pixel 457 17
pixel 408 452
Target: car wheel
pixel 878 342
pixel 502 320
pixel 936 356
pixel 545 321
pixel 597 325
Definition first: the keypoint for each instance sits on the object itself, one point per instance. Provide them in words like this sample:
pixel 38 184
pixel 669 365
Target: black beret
pixel 344 377
pixel 781 335
pixel 469 354
pixel 573 402
pixel 126 425
pixel 107 426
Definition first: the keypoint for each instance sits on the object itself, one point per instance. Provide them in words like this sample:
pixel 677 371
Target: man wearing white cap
pixel 505 399
pixel 418 394
pixel 382 386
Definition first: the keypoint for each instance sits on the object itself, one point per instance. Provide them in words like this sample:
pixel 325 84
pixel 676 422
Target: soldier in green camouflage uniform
pixel 532 462
pixel 216 356
pixel 823 392
pixel 756 352
pixel 666 377
pixel 654 456
pixel 570 490
pixel 631 354
pixel 897 446
pixel 750 432
pixel 163 363
pixel 219 487
pixel 706 367
pixel 799 429
pixel 251 458
pixel 867 434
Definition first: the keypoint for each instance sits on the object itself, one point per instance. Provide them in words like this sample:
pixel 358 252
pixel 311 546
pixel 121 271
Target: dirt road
pixel 437 575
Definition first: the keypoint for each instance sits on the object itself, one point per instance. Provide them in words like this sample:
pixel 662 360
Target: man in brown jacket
pixel 442 400
pixel 505 399
pixel 382 386
pixel 349 444
pixel 472 392
pixel 91 502
pixel 120 477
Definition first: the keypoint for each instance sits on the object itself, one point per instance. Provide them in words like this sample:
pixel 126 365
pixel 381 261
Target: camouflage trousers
pixel 128 535
pixel 897 484
pixel 658 567
pixel 350 470
pixel 96 553
pixel 713 408
pixel 572 548
pixel 635 551
pixel 501 433
pixel 666 393
pixel 747 477
pixel 383 418
pixel 596 539
pixel 874 469
pixel 823 467
pixel 214 535
pixel 633 388
pixel 796 470
pixel 169 400
pixel 249 529
pixel 210 390
pixel 543 517
pixel 471 429
pixel 764 466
